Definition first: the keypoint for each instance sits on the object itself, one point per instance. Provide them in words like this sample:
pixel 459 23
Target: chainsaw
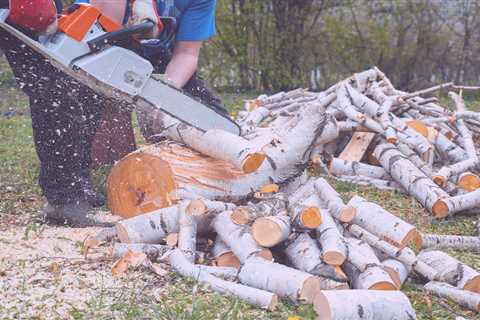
pixel 85 47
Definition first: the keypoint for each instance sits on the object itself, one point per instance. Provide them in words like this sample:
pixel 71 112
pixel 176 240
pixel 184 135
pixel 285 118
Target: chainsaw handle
pixel 123 34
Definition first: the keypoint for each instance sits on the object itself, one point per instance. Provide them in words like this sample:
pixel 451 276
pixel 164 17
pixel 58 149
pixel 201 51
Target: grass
pixel 179 298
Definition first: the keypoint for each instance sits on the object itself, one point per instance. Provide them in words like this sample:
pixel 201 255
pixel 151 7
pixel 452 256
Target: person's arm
pixel 184 62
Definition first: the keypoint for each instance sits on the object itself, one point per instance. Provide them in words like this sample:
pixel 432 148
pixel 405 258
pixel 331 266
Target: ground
pixel 44 275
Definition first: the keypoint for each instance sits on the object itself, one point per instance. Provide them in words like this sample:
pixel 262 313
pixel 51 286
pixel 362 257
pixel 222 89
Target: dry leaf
pixel 429 304
pixel 158 270
pixel 90 242
pixel 54 268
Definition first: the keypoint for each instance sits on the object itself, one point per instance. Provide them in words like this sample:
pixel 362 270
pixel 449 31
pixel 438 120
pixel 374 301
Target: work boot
pixel 94 198
pixel 74 214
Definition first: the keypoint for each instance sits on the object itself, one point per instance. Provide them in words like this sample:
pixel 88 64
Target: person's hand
pixel 146 10
pixel 39 16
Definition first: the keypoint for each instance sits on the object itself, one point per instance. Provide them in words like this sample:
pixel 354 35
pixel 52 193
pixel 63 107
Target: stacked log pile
pixel 241 215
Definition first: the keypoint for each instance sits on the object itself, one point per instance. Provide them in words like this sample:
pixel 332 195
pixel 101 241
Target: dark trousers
pixel 65 115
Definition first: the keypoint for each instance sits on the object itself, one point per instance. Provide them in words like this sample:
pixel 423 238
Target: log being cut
pixel 244 216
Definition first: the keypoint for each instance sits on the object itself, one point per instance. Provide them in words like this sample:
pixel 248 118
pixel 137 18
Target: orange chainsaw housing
pixel 77 23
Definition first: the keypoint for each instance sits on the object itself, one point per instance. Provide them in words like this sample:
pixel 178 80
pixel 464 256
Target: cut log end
pixel 253 162
pixel 418 126
pixel 138 184
pixel 473 284
pixel 266 254
pixel 333 258
pixel 469 181
pixel 171 239
pixel 240 215
pixel 394 275
pixel 414 237
pixel 384 285
pixel 196 207
pixel 310 289
pixel 348 214
pixel 440 209
pixel 311 217
pixel 228 259
pixel 273 304
pixel 392 140
pixel 266 232
pixel 269 188
pixel 439 180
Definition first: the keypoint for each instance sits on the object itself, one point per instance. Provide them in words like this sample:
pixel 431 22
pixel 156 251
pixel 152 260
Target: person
pixel 65 114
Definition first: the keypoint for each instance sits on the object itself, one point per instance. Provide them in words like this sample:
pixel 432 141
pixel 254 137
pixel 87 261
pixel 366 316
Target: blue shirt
pixel 195 18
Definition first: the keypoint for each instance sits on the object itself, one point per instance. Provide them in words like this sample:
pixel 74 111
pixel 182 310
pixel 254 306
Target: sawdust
pixel 44 274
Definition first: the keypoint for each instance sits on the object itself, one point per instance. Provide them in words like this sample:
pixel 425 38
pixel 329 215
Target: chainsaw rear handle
pixel 111 38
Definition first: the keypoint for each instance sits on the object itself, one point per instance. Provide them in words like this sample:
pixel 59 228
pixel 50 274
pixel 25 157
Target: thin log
pixel 383 224
pixel 451 270
pixel 353 168
pixel 334 250
pixel 256 297
pixel 287 282
pixel 305 255
pixel 461 202
pixel 360 254
pixel 187 234
pixel 397 270
pixel 363 304
pixel 464 298
pixel 428 90
pixel 451 242
pixel 306 213
pixel 387 185
pixel 154 252
pixel 268 207
pixel 412 179
pixel 334 202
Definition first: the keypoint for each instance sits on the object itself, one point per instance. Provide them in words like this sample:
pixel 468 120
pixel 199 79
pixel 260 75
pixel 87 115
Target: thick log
pixel 451 242
pixel 360 254
pixel 334 203
pixel 334 250
pixel 224 257
pixel 363 304
pixel 451 270
pixel 305 255
pixel 296 285
pixel 306 214
pixel 412 179
pixel 383 224
pixel 467 299
pixel 256 297
pixel 340 167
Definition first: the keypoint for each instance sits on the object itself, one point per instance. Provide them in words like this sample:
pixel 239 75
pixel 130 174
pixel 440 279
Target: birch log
pixel 397 270
pixel 451 242
pixel 412 179
pixel 187 234
pixel 256 297
pixel 467 299
pixel 223 256
pixel 383 224
pixel 363 304
pixel 305 214
pixel 334 251
pixel 354 168
pixel 451 270
pixel 461 202
pixel 270 231
pixel 334 203
pixel 249 213
pixel 305 255
pixel 153 251
pixel 237 237
pixel 287 282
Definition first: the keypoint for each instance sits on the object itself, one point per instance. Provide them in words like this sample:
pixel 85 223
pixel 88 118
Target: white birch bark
pixel 256 297
pixel 223 255
pixel 296 285
pixel 451 270
pixel 237 237
pixel 383 224
pixel 304 254
pixel 354 168
pixel 470 243
pixel 187 234
pixel 334 250
pixel 461 202
pixel 412 179
pixel 363 304
pixel 397 270
pixel 466 299
pixel 334 202
pixel 306 214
